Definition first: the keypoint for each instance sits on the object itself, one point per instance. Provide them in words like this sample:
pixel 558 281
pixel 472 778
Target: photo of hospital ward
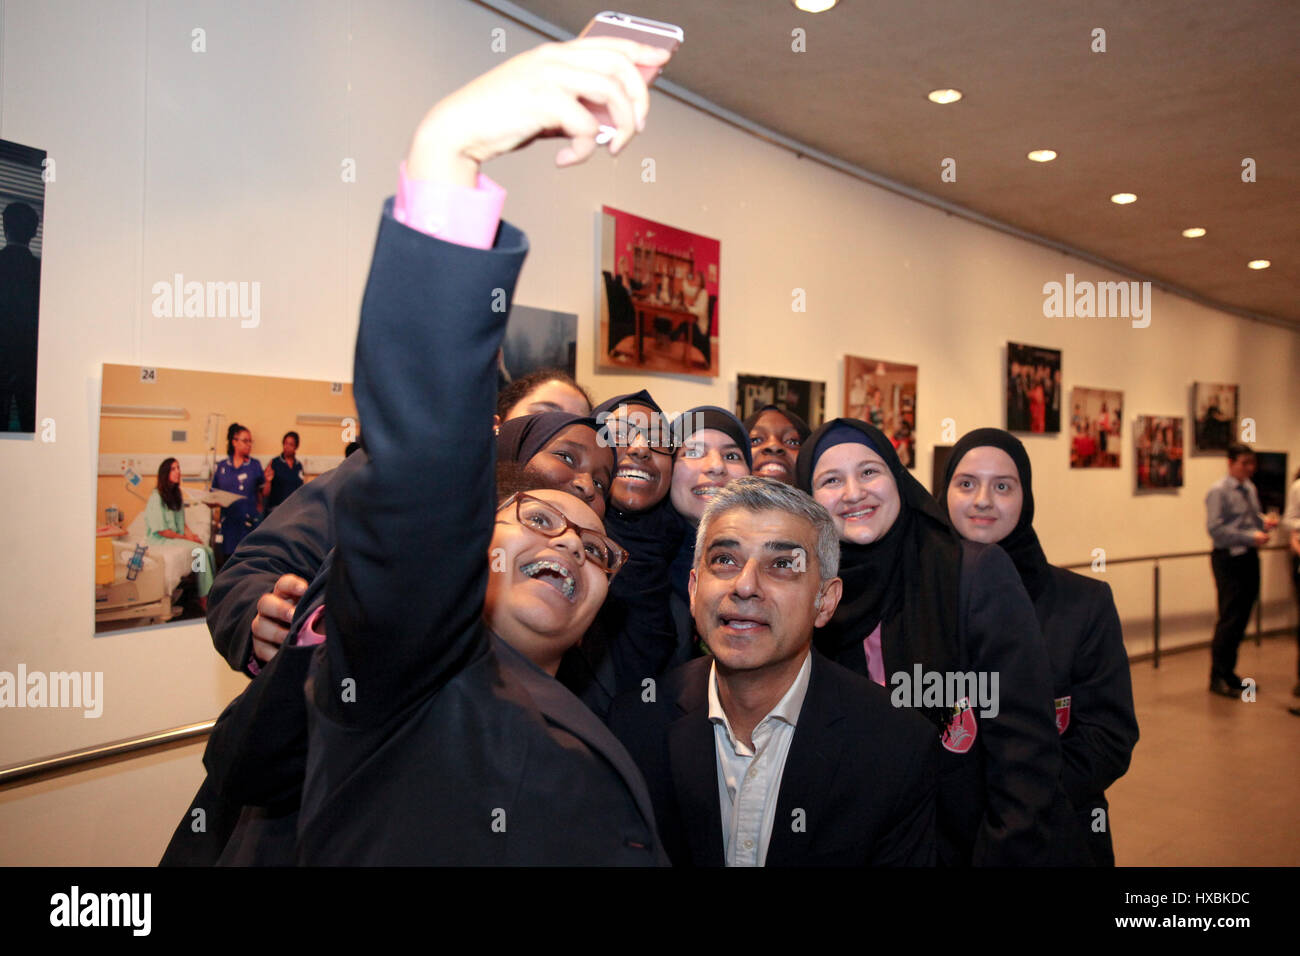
pixel 189 464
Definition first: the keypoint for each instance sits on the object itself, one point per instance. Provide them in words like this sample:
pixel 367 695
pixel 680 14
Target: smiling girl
pixel 915 595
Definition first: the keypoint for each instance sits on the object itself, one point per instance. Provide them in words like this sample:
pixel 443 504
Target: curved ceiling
pixel 1183 93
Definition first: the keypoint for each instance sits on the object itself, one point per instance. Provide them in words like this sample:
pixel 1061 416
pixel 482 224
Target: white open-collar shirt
pixel 749 781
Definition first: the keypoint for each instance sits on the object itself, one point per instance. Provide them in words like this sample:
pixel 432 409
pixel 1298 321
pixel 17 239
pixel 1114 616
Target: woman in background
pixel 775 437
pixel 919 601
pixel 164 520
pixel 711 448
pixel 284 474
pixel 543 390
pixel 566 450
pixel 989 495
pixel 240 474
pixel 632 637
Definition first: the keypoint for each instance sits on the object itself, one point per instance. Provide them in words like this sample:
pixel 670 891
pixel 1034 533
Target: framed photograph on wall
pixel 22 205
pixel 1271 481
pixel 189 463
pixel 937 468
pixel 1214 407
pixel 883 394
pixel 1033 389
pixel 806 399
pixel 536 339
pixel 658 297
pixel 1096 424
pixel 1159 452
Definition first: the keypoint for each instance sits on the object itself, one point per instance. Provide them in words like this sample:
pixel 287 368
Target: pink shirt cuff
pixel 307 634
pixel 875 657
pixel 467 217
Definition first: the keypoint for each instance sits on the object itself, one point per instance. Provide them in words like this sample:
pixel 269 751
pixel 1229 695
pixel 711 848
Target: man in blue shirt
pixel 1238 529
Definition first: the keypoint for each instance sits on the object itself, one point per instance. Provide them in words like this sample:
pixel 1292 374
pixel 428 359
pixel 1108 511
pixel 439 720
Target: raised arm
pixel 410 571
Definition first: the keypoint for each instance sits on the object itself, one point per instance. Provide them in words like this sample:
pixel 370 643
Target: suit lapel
pixel 561 708
pixel 693 762
pixel 810 768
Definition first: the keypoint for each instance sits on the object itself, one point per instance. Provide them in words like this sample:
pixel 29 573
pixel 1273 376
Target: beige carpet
pixel 1213 782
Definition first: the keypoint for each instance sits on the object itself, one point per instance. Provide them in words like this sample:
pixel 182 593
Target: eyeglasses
pixel 550 522
pixel 620 433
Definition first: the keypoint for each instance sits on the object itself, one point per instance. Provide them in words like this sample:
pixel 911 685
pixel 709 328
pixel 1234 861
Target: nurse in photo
pixel 241 474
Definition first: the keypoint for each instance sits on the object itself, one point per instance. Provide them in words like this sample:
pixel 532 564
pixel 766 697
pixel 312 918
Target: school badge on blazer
pixel 960 735
pixel 1062 713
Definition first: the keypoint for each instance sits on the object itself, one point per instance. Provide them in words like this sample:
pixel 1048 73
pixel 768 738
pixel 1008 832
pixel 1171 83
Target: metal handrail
pixel 1165 557
pixel 1155 588
pixel 61 763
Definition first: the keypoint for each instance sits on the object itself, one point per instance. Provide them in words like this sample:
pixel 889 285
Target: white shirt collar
pixel 787 708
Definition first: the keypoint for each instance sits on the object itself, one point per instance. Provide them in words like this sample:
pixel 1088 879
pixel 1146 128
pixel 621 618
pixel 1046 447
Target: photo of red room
pixel 658 297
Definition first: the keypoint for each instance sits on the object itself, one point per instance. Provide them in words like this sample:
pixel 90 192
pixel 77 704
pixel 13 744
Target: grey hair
pixel 754 493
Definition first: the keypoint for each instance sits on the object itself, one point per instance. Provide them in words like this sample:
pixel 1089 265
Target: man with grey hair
pixel 766 752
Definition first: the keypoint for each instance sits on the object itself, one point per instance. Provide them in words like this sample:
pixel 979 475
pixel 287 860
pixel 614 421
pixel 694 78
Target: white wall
pixel 225 165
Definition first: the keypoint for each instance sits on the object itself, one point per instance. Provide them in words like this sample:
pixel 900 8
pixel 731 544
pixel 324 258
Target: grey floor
pixel 1213 782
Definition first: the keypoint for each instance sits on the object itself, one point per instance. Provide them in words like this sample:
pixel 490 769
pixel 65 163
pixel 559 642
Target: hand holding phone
pixel 664 36
pixel 544 92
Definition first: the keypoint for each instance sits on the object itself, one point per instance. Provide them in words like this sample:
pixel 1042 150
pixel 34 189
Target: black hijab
pixel 906 580
pixel 653 536
pixel 659 427
pixel 799 424
pixel 632 398
pixel 1022 543
pixel 521 438
pixel 684 426
pixel 700 417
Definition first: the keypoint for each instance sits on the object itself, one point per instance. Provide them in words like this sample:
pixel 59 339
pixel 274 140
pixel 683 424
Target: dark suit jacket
pixel 1001 802
pixel 632 637
pixel 255 760
pixel 861 771
pixel 294 539
pixel 1089 665
pixel 429 740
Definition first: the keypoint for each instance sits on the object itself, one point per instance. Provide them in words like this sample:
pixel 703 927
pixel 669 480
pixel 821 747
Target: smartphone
pixel 666 36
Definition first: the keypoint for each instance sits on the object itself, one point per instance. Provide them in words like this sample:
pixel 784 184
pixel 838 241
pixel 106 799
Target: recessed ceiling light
pixel 944 96
pixel 1042 155
pixel 1194 233
pixel 1258 264
pixel 815 6
pixel 1123 199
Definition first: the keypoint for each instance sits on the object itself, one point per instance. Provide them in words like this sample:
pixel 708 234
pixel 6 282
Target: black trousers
pixel 1237 581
